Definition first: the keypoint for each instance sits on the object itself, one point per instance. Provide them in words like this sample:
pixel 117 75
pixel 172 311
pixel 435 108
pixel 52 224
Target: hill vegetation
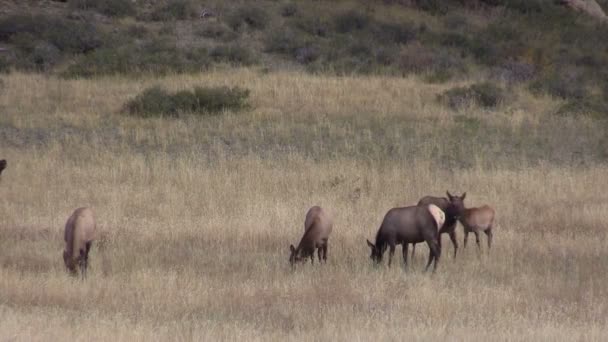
pixel 548 47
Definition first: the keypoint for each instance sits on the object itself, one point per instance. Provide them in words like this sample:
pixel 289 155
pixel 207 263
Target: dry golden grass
pixel 196 214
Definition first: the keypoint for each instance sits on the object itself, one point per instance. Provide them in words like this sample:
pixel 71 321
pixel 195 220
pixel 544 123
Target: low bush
pixel 174 10
pixel 250 15
pixel 593 106
pixel 217 31
pixel 232 54
pixel 153 57
pixel 156 101
pixel 289 10
pixel 565 83
pixel 111 8
pixel 67 35
pixel 484 94
pixel 351 20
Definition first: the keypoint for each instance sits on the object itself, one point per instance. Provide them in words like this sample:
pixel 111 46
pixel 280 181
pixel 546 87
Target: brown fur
pixel 401 226
pixel 475 220
pixel 449 225
pixel 317 228
pixel 78 236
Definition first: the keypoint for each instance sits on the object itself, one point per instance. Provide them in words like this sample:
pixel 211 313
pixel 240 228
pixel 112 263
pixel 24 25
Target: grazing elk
pixel 79 235
pixel 409 225
pixel 449 226
pixel 317 227
pixel 474 220
pixel 2 165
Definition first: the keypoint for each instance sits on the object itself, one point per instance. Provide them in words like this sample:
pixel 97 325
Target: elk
pixel 318 225
pixel 408 225
pixel 449 226
pixel 79 235
pixel 475 220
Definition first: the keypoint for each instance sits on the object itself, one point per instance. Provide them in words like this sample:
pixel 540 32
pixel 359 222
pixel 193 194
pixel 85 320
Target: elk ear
pixel 449 195
pixel 371 245
pixel 292 249
pixel 463 196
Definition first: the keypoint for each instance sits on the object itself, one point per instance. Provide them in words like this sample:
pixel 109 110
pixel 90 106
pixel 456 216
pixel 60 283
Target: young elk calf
pixel 79 234
pixel 317 227
pixel 474 220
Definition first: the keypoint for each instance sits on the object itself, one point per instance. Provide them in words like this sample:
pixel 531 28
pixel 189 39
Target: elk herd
pixel 424 222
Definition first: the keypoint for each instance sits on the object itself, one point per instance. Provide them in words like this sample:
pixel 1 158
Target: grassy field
pixel 195 215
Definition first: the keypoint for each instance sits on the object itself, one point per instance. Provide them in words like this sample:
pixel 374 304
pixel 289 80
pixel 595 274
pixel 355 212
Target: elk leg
pixel 319 252
pixel 405 255
pixel 325 253
pixel 413 251
pixel 477 241
pixel 434 253
pixel 391 252
pixel 466 238
pixel 489 235
pixel 436 250
pixel 454 242
pixel 82 263
pixel 312 257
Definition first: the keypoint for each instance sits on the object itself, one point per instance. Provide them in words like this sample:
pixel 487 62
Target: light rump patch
pixel 438 215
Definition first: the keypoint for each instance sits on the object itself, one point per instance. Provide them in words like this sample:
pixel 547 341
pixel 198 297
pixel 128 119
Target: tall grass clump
pixel 156 101
pixel 485 94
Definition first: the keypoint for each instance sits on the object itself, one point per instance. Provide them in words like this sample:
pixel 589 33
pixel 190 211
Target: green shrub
pixel 313 25
pixel 202 100
pixel 484 94
pixel 284 42
pixel 66 35
pixel 232 54
pixel 111 8
pixel 351 21
pixel 218 31
pixel 594 106
pixel 565 83
pixel 251 15
pixel 157 56
pixel 389 33
pixel 289 10
pixel 174 10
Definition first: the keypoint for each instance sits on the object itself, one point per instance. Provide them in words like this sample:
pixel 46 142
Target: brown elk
pixel 475 220
pixel 408 225
pixel 449 226
pixel 79 235
pixel 317 227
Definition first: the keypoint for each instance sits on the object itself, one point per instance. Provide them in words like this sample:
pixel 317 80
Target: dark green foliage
pixel 594 106
pixel 218 31
pixel 159 57
pixel 351 21
pixel 67 35
pixel 202 100
pixel 112 8
pixel 289 10
pixel 564 83
pixel 483 94
pixel 284 42
pixel 389 33
pixel 313 25
pixel 175 10
pixel 232 54
pixel 249 15
pixel 433 6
